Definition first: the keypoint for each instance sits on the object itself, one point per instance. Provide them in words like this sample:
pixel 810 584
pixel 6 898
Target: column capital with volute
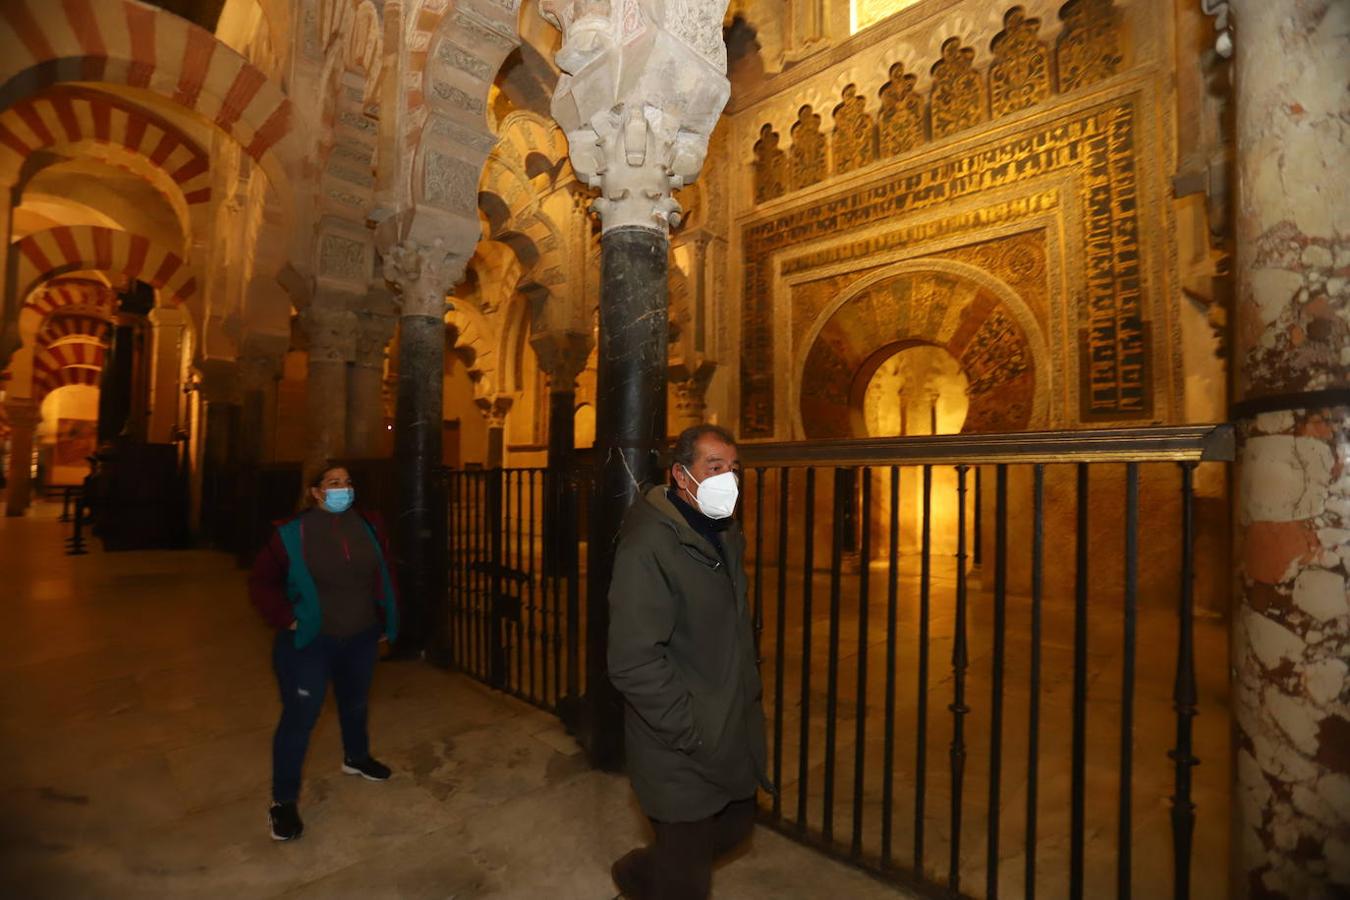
pixel 642 89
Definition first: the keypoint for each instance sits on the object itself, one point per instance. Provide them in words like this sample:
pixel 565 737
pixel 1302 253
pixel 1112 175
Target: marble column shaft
pixel 630 430
pixel 365 387
pixel 424 274
pixel 1291 621
pixel 332 344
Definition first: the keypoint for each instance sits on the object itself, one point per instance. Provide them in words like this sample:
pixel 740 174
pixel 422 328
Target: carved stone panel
pixel 449 183
pixel 900 124
pixel 1019 77
pixel 855 135
pixel 958 90
pixel 771 168
pixel 1087 49
pixel 343 258
pixel 808 150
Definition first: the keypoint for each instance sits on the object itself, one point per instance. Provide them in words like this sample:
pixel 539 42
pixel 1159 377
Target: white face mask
pixel 716 496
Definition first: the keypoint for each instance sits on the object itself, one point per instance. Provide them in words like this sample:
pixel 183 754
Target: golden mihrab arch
pixel 966 311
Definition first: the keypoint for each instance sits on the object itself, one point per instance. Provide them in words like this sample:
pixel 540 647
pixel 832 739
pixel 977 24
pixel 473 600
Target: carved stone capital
pixel 423 272
pixel 495 407
pixel 373 333
pixel 219 381
pixel 23 412
pixel 643 87
pixel 261 361
pixel 690 387
pixel 331 333
pixel 562 356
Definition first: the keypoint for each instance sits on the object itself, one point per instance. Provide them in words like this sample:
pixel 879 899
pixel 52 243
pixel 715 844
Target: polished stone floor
pixel 136 711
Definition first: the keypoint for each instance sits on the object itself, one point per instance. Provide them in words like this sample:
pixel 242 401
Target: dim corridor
pixel 135 723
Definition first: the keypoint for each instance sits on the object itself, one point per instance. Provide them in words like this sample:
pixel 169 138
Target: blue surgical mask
pixel 337 500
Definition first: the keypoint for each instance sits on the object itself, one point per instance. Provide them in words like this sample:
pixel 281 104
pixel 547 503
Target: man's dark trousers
pixel 678 866
pixel 302 677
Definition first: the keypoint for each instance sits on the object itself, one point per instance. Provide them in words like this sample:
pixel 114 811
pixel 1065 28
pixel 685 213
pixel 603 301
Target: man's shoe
pixel 285 821
pixel 369 768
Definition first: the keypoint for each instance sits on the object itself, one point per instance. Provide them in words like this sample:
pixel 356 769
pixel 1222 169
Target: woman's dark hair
pixel 687 443
pixel 328 466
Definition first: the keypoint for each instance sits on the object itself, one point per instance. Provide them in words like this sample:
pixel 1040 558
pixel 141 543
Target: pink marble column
pixel 1291 621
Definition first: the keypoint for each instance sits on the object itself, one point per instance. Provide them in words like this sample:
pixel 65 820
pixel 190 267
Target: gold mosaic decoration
pixel 1020 74
pixel 855 135
pixel 1088 46
pixel 771 168
pixel 808 150
pixel 957 101
pixel 1097 145
pixel 900 124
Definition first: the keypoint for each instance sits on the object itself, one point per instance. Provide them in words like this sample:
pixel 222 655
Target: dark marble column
pixel 562 355
pixel 560 519
pixel 424 273
pixel 630 431
pixel 121 412
pixel 417 454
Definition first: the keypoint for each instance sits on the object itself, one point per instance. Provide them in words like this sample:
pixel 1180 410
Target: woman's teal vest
pixel 304 593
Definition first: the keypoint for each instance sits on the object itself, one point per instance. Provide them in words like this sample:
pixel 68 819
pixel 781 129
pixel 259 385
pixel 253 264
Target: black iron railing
pixel 887 577
pixel 515 581
pixel 952 632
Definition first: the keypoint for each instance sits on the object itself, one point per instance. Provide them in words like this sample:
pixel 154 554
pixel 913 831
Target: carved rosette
pixel 642 89
pixel 423 272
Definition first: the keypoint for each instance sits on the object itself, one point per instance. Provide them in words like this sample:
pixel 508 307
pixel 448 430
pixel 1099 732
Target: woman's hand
pixel 292 625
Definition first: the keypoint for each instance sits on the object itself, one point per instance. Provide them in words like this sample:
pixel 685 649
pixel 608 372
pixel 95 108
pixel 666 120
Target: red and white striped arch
pixel 70 295
pixel 60 328
pixel 128 43
pixel 66 364
pixel 71 248
pixel 69 115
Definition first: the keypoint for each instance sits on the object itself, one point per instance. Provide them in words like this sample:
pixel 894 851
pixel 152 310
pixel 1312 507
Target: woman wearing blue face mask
pixel 324 582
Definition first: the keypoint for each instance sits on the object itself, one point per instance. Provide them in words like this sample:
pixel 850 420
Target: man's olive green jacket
pixel 682 652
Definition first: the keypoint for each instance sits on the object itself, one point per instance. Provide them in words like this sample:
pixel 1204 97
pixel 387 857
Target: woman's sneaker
pixel 285 821
pixel 369 768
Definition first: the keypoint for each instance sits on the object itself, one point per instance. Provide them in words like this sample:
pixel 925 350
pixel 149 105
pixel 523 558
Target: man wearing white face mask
pixel 682 652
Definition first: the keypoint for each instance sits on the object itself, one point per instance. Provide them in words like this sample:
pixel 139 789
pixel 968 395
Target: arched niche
pixel 970 315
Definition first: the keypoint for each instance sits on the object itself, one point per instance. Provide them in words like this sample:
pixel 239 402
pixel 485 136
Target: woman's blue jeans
pixel 302 678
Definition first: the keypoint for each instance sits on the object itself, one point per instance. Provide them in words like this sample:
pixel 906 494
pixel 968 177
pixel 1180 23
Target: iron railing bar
pixel 1185 695
pixel 960 661
pixel 780 641
pixel 1078 794
pixel 808 554
pixel 888 751
pixel 758 621
pixel 860 704
pixel 1123 855
pixel 520 567
pixel 530 630
pixel 842 481
pixel 996 700
pixel 1034 711
pixel 925 586
pixel 1193 443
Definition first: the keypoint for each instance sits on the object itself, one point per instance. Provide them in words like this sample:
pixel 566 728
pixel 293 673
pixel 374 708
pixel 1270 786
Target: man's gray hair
pixel 687 442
